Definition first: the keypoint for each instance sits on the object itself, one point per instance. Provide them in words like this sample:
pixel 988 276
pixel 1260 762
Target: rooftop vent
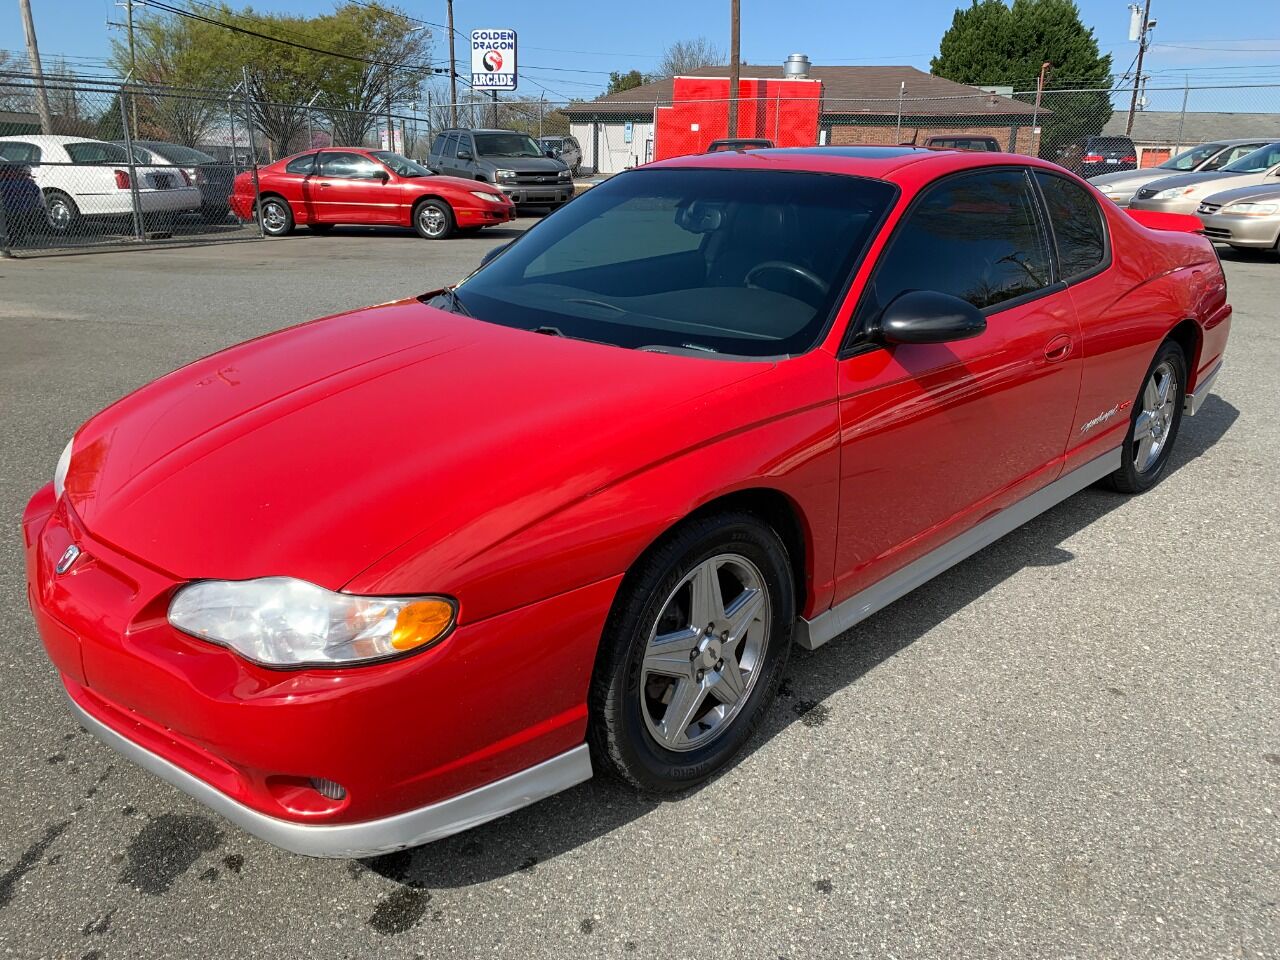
pixel 796 67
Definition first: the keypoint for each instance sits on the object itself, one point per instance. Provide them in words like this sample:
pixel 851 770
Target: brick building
pixel 876 105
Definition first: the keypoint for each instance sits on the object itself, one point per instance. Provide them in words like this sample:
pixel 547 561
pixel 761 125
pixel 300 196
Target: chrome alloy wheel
pixel 705 652
pixel 432 219
pixel 274 217
pixel 1152 427
pixel 59 214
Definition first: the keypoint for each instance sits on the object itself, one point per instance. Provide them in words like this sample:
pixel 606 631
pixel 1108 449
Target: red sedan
pixel 321 188
pixel 375 579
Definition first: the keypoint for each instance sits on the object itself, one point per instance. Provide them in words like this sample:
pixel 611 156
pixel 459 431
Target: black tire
pixel 433 219
pixel 62 213
pixel 619 733
pixel 276 216
pixel 1140 471
pixel 320 227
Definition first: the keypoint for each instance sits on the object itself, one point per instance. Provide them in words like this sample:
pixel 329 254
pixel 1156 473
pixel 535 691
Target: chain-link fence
pixel 1066 126
pixel 120 163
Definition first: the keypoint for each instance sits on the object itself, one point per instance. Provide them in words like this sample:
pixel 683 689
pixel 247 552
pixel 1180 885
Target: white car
pixel 80 177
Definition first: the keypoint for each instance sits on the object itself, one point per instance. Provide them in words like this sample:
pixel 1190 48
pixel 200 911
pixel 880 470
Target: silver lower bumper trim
pixel 848 613
pixel 1191 405
pixel 351 840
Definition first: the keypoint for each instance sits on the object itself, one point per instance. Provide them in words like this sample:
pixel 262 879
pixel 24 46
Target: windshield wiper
pixel 595 303
pixel 455 302
pixel 664 348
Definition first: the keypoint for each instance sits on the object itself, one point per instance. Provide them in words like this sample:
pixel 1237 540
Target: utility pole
pixel 133 66
pixel 37 74
pixel 453 73
pixel 735 24
pixel 1143 38
pixel 1035 116
pixel 391 124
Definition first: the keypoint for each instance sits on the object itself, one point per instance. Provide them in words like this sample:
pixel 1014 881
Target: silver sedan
pixel 1246 217
pixel 1205 158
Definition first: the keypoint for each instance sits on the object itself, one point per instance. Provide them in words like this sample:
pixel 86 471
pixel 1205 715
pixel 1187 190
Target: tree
pixel 625 81
pixel 990 43
pixel 685 56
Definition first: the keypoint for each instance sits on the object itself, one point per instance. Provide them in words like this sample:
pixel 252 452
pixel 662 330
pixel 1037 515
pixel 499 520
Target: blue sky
pixel 1232 42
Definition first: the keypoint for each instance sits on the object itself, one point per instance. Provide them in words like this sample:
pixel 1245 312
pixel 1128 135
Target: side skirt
pixel 845 615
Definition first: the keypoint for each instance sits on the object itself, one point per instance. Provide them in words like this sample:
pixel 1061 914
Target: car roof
pixel 52 139
pixel 881 163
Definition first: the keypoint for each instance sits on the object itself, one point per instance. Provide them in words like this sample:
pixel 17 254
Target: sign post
pixel 493 59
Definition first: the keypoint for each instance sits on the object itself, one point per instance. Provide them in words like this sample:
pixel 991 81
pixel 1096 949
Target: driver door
pixel 937 437
pixel 350 188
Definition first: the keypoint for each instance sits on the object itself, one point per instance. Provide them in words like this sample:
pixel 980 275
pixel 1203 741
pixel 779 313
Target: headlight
pixel 60 471
pixel 1246 209
pixel 487 195
pixel 566 174
pixel 282 622
pixel 1106 187
pixel 505 174
pixel 1173 192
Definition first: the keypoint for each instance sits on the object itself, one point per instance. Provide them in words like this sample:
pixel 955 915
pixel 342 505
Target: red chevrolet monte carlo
pixel 321 188
pixel 378 578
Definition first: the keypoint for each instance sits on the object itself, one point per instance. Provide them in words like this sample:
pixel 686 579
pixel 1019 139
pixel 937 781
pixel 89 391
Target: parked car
pixel 1183 193
pixel 565 149
pixel 21 203
pixel 573 513
pixel 1094 155
pixel 739 143
pixel 321 188
pixel 212 177
pixel 1120 187
pixel 81 178
pixel 967 142
pixel 511 160
pixel 1247 218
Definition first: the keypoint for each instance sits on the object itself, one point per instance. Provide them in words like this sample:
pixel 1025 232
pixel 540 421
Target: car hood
pixel 315 451
pixel 526 164
pixel 1254 191
pixel 1129 178
pixel 1191 179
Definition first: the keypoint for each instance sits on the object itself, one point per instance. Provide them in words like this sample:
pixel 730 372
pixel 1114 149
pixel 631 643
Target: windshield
pixel 507 145
pixel 95 151
pixel 740 262
pixel 1256 162
pixel 1192 158
pixel 403 166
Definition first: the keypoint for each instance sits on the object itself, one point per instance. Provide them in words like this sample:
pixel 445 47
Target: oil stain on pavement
pixel 165 849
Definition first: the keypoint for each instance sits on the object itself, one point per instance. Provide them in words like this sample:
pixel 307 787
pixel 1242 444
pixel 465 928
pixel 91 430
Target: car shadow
pixel 1245 254
pixel 521 840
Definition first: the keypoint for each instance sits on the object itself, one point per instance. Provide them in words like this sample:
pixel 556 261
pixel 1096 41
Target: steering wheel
pixel 804 274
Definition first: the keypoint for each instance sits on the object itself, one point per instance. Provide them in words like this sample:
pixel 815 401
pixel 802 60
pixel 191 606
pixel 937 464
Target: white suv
pixel 80 177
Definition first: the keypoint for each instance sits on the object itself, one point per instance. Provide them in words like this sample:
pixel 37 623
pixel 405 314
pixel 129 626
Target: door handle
pixel 1059 348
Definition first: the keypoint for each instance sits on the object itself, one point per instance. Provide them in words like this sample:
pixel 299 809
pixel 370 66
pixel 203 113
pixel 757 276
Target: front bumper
pixel 1259 233
pixel 487 720
pixel 538 194
pixel 484 215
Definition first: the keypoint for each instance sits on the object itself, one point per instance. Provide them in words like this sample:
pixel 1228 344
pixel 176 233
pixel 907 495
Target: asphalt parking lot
pixel 1067 746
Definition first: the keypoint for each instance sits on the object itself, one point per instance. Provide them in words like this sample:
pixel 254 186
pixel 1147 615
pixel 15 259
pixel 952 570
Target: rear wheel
pixel 62 212
pixel 1154 422
pixel 276 216
pixel 692 654
pixel 433 219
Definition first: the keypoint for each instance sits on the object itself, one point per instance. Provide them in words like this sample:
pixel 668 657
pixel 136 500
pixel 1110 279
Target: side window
pixel 465 145
pixel 450 149
pixel 304 165
pixel 1077 225
pixel 973 236
pixel 351 166
pixel 18 152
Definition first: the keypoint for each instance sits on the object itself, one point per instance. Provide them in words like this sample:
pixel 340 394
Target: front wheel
pixel 1154 422
pixel 277 217
pixel 433 219
pixel 62 212
pixel 692 654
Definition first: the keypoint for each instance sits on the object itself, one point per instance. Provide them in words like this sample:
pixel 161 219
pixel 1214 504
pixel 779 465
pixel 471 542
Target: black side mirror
pixel 925 316
pixel 381 175
pixel 490 254
pixel 551 154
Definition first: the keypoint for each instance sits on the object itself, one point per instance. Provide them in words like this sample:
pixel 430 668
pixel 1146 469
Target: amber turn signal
pixel 421 622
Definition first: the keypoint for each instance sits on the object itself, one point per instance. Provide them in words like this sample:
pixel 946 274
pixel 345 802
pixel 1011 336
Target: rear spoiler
pixel 1174 222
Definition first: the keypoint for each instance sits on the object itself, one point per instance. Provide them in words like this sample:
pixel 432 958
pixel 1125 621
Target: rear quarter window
pixel 1077 223
pixel 301 165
